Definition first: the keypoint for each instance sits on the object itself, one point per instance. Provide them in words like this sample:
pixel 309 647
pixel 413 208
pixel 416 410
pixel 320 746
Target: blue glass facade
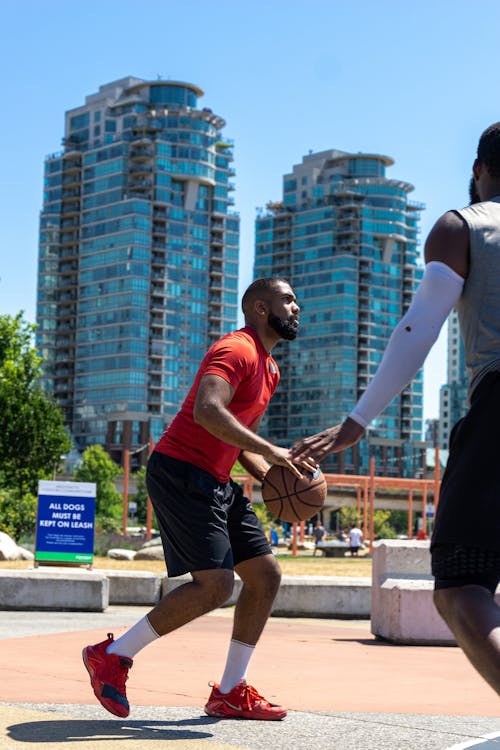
pixel 346 237
pixel 138 259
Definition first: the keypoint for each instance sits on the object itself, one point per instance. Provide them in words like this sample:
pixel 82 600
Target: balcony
pixel 68 193
pixel 140 169
pixel 72 209
pixel 70 224
pixel 69 252
pixel 140 185
pixel 140 138
pixel 72 165
pixel 139 154
pixel 71 180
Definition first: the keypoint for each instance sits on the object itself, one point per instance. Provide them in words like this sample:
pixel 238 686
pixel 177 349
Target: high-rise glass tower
pixel 138 258
pixel 346 237
pixel 453 394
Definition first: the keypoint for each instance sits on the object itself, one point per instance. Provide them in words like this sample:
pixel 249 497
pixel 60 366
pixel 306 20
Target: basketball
pixel 291 499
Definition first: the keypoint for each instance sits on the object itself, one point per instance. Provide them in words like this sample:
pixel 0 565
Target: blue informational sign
pixel 65 522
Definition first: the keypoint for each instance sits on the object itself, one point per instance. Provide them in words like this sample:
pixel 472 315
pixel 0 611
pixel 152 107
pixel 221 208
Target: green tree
pixel 141 496
pixel 382 529
pixel 238 469
pixel 32 433
pixel 98 467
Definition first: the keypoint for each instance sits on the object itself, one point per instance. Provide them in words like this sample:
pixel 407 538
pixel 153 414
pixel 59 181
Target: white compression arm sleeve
pixel 411 340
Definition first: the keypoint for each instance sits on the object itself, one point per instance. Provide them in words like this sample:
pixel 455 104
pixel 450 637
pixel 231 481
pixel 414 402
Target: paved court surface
pixel 345 690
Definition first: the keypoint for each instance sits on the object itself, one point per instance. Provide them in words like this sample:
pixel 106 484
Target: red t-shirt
pixel 239 358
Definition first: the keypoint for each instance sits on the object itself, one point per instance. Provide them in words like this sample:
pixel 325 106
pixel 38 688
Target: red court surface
pixel 307 665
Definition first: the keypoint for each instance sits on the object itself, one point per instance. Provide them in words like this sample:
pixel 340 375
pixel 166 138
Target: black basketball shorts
pixel 466 539
pixel 203 523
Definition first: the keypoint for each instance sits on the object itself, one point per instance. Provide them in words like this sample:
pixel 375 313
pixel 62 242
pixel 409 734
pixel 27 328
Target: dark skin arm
pixel 211 412
pixel 255 464
pixel 448 242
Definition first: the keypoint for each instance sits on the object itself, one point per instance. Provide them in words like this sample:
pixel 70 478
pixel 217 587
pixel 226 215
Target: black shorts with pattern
pixel 457 565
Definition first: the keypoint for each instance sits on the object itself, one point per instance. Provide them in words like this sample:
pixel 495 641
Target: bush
pixel 17 513
pixel 106 523
pixel 106 540
pixel 262 513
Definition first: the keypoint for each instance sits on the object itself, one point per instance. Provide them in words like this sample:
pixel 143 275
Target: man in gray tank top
pixel 462 255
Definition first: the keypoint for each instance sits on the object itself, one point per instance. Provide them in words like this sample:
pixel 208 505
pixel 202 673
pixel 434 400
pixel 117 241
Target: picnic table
pixel 333 548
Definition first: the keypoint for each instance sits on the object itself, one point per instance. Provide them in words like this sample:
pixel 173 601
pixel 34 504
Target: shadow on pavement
pixel 67 730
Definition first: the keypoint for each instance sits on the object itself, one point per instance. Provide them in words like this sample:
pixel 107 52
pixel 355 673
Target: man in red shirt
pixel 208 528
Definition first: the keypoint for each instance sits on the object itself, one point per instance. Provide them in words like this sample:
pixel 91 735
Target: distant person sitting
pixel 355 540
pixel 319 534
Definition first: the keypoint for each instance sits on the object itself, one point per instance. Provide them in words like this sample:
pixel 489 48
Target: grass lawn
pixel 303 564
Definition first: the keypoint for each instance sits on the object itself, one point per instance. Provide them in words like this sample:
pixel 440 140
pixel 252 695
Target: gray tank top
pixel 479 305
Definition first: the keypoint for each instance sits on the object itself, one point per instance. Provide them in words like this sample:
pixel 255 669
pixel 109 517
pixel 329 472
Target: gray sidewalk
pixel 48 726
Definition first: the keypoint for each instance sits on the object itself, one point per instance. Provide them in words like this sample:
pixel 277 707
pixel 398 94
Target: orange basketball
pixel 291 499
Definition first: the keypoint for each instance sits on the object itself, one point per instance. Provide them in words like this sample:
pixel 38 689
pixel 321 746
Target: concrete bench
pixel 133 587
pixel 61 589
pixel 169 584
pixel 402 608
pixel 307 596
pixel 323 596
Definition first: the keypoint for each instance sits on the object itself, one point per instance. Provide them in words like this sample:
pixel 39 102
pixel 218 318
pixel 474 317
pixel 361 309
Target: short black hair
pixel 260 287
pixel 488 150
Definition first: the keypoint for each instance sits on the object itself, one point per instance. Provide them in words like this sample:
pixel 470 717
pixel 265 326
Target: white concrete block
pixel 133 587
pixel 64 590
pixel 402 608
pixel 401 557
pixel 407 613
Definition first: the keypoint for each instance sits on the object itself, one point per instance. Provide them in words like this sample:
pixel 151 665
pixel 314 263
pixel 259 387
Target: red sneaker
pixel 108 675
pixel 242 702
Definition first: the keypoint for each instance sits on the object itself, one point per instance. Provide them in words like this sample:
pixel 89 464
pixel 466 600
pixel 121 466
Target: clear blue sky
pixel 415 81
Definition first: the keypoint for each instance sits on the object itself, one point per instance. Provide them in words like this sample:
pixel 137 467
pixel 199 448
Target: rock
pixel 8 548
pixel 25 554
pixel 152 543
pixel 150 553
pixel 121 554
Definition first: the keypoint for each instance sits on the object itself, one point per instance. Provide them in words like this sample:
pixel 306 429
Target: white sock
pixel 134 639
pixel 238 658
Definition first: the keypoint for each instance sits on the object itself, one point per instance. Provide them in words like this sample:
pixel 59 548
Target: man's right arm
pixel 447 258
pixel 212 413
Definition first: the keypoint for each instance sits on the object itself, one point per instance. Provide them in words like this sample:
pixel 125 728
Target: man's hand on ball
pixel 332 440
pixel 283 457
